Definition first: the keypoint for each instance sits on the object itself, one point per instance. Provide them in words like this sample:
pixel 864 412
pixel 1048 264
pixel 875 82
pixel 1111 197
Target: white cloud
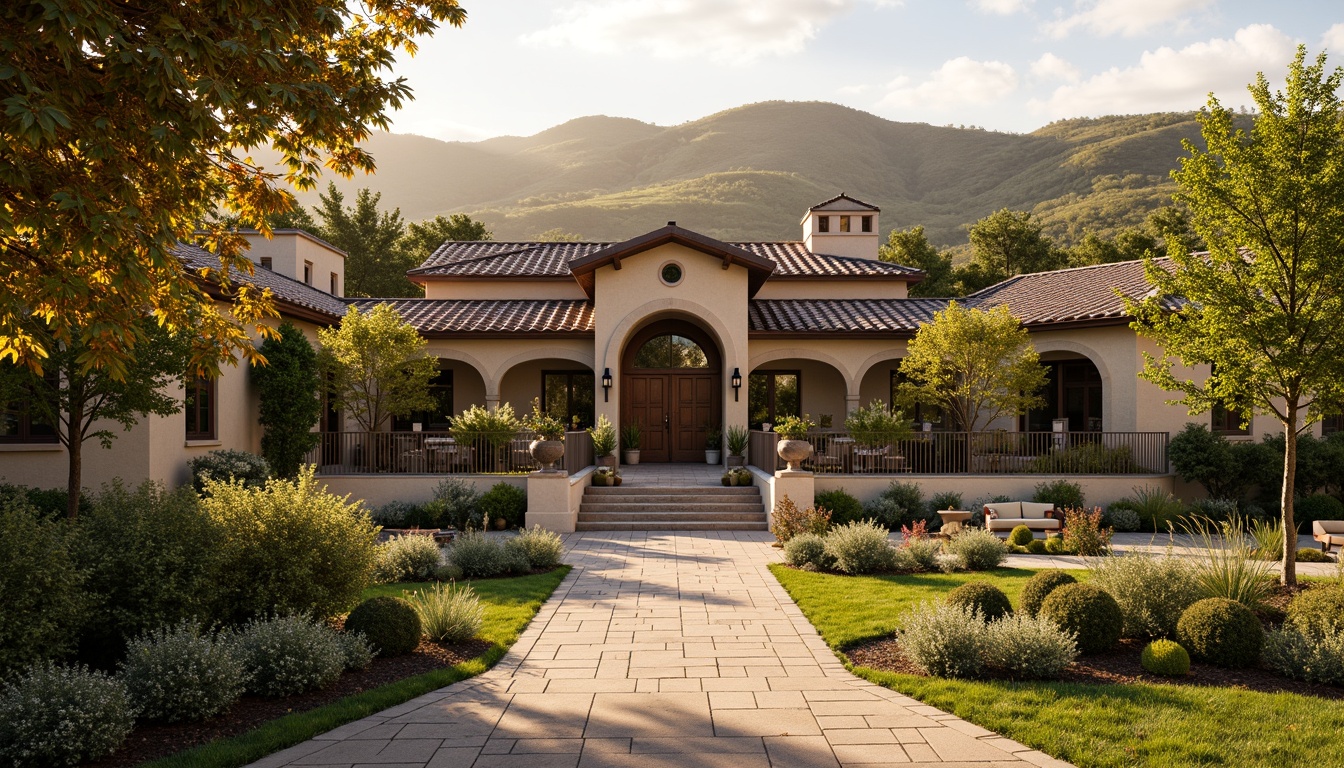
pixel 1171 80
pixel 1333 39
pixel 1126 17
pixel 1001 7
pixel 721 30
pixel 1052 67
pixel 959 81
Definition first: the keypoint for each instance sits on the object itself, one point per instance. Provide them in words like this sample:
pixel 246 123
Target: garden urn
pixel 547 452
pixel 794 452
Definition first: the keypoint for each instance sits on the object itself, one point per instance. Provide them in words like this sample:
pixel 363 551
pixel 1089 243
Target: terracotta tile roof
pixel 285 289
pixel 795 260
pixel 461 316
pixel 830 204
pixel 1081 294
pixel 895 316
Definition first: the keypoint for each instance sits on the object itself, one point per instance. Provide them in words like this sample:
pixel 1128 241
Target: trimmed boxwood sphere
pixel 1087 611
pixel 1021 536
pixel 1040 586
pixel 1164 657
pixel 1036 547
pixel 1222 632
pixel 983 597
pixel 1318 610
pixel 390 624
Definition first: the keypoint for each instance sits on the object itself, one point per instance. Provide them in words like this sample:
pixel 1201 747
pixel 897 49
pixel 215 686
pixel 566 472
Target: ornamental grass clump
pixel 944 640
pixel 859 548
pixel 1225 566
pixel 1039 587
pixel 1152 591
pixel 406 558
pixel 987 600
pixel 789 521
pixel 182 673
pixel 1027 647
pixel 390 624
pixel 60 716
pixel 449 614
pixel 543 548
pixel 479 556
pixel 1221 632
pixel 977 549
pixel 1088 612
pixel 1165 657
pixel 285 655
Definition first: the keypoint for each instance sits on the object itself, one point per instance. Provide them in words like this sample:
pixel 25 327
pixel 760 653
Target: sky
pixel 520 66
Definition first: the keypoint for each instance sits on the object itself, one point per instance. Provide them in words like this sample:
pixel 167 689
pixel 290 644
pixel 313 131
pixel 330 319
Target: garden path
pixel 661 650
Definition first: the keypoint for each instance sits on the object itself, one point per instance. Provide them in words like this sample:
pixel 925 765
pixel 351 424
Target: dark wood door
pixel 673 409
pixel 646 404
pixel 693 409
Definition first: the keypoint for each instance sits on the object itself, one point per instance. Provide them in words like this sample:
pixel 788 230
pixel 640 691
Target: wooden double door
pixel 673 410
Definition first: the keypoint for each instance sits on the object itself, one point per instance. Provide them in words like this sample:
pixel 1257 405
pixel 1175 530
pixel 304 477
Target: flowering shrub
pixel 58 716
pixel 284 655
pixel 1084 534
pixel 356 649
pixel 449 614
pixel 789 521
pixel 406 558
pixel 180 673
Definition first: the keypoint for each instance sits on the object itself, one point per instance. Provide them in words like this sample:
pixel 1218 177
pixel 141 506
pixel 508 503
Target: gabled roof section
pixel 826 317
pixel 1077 296
pixel 843 202
pixel 495 260
pixel 301 299
pixel 470 318
pixel 797 263
pixel 758 268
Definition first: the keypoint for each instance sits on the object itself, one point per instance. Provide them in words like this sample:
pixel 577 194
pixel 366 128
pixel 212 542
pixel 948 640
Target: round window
pixel 671 273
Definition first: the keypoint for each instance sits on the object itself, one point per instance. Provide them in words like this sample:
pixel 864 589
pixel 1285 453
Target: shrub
pixel 1084 534
pixel 180 673
pixel 921 552
pixel 227 465
pixel 1062 493
pixel 391 625
pixel 1036 547
pixel 1198 455
pixel 1087 611
pixel 51 503
pixel 1316 658
pixel 859 548
pixel 1157 509
pixel 458 505
pixel 1217 510
pixel 1222 632
pixel 808 550
pixel 513 560
pixel 1318 507
pixel 987 600
pixel 1021 536
pixel 43 603
pixel 448 614
pixel 944 640
pixel 1318 611
pixel 1054 544
pixel 1123 519
pixel 899 505
pixel 289 547
pixel 356 650
pixel 447 572
pixel 504 502
pixel 977 549
pixel 789 521
pixel 285 655
pixel 844 508
pixel 1028 647
pixel 1039 586
pixel 543 548
pixel 943 500
pixel 478 555
pixel 1308 555
pixel 58 716
pixel 1165 657
pixel 406 558
pixel 397 514
pixel 1152 592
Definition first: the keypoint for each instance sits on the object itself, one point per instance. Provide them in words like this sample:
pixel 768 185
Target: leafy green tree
pixel 288 385
pixel 911 248
pixel 1262 306
pixel 423 238
pixel 1173 222
pixel 125 125
pixel 376 366
pixel 1129 245
pixel 975 365
pixel 376 259
pixel 1007 243
pixel 79 401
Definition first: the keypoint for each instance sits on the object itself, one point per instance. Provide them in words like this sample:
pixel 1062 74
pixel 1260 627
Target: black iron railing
pixel 349 453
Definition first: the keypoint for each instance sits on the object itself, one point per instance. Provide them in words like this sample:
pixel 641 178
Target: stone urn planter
pixel 547 452
pixel 794 452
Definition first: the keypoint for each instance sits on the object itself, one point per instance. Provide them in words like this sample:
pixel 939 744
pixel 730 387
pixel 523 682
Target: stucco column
pixel 798 486
pixel 548 502
pixel 852 403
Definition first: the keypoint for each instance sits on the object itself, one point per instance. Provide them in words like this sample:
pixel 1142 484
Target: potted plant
pixel 630 436
pixel 737 445
pixel 606 476
pixel 713 444
pixel 793 446
pixel 604 442
pixel 549 445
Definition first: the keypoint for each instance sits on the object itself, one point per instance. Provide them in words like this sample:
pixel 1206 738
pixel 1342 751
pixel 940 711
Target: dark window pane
pixel 786 395
pixel 670 351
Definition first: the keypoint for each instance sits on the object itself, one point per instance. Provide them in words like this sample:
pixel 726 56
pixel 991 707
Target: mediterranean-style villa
pixel 680 332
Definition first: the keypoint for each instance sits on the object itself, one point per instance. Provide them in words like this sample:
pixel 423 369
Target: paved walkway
pixel 1180 545
pixel 664 649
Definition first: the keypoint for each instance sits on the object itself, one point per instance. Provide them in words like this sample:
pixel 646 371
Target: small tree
pixel 1262 305
pixel 376 366
pixel 288 385
pixel 911 248
pixel 1007 243
pixel 976 365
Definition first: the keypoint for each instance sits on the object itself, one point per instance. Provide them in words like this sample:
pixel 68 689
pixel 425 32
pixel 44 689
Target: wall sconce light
pixel 737 382
pixel 606 385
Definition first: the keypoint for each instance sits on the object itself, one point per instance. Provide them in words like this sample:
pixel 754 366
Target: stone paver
pixel 664 649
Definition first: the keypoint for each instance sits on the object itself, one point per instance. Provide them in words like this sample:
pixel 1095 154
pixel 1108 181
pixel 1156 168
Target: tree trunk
pixel 74 480
pixel 74 446
pixel 1289 577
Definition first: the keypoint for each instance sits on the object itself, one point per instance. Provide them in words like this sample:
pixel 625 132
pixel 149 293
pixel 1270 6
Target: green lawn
pixel 509 605
pixel 1088 725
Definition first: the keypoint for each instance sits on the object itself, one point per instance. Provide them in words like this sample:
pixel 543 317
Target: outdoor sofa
pixel 1003 517
pixel 1329 532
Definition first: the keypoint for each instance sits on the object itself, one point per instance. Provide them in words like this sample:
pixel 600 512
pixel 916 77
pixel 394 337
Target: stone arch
pixel 492 384
pixel 1068 345
pixel 670 309
pixel 804 353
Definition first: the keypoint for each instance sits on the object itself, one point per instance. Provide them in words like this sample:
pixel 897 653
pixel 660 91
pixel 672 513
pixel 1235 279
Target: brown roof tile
pixel 795 260
pixel 888 316
pixel 284 289
pixel 456 316
pixel 1081 294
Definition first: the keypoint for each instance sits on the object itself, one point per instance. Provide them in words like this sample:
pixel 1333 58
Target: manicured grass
pixel 509 605
pixel 1088 725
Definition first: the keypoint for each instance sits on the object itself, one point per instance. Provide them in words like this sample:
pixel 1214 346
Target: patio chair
pixel 834 459
pixel 890 460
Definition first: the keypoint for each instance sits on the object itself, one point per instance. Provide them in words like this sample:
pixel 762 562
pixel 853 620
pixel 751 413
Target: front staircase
pixel 671 508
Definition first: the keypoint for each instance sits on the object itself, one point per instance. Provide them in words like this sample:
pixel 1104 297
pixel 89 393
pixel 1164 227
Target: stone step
pixel 756 516
pixel 669 526
pixel 712 506
pixel 672 490
pixel 663 500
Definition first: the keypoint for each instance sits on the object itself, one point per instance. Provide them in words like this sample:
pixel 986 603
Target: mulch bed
pixel 153 741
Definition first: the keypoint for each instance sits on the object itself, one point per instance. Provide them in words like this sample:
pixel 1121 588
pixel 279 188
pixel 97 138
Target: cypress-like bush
pixel 390 624
pixel 1087 611
pixel 1221 632
pixel 987 600
pixel 1039 586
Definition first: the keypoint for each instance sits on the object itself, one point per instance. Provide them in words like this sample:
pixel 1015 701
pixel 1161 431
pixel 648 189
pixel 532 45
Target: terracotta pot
pixel 794 452
pixel 736 461
pixel 500 523
pixel 547 452
pixel 630 457
pixel 616 479
pixel 606 461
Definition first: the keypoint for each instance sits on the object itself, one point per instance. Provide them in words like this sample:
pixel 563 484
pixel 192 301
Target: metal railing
pixel 355 453
pixel 981 453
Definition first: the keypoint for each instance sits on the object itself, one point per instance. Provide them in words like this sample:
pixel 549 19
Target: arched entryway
pixel 671 375
pixel 1073 391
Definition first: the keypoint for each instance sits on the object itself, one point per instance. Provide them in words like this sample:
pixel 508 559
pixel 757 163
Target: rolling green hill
pixel 750 173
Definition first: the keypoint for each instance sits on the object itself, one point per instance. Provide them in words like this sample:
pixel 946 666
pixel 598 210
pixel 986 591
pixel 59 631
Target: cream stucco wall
pixel 504 289
pixel 855 243
pixel 288 250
